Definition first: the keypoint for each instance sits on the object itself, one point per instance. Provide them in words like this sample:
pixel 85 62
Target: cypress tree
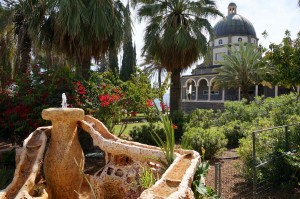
pixel 128 61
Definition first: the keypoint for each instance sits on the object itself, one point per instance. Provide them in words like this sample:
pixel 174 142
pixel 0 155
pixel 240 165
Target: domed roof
pixel 234 24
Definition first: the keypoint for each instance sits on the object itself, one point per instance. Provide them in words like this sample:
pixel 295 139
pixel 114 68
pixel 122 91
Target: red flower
pixel 150 103
pixel 163 106
pixel 81 90
pixel 174 126
pixel 134 113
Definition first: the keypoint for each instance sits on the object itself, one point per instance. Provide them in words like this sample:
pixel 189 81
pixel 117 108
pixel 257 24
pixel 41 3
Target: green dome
pixel 234 24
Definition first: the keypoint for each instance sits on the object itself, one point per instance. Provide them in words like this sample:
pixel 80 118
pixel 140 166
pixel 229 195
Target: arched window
pixel 220 42
pixel 240 39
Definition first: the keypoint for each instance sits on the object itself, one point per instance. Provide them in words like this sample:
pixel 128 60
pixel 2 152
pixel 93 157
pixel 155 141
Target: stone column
pixel 209 89
pixel 197 93
pixel 239 98
pixel 276 91
pixel 256 90
pixel 223 94
pixel 298 89
pixel 63 176
pixel 183 93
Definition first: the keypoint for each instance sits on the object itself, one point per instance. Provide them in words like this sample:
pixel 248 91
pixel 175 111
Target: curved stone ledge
pixel 124 160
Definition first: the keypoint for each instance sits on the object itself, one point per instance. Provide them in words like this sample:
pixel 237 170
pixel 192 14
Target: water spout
pixel 64 101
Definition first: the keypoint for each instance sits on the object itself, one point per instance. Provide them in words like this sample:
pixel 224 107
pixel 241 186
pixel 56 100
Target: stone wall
pixel 188 107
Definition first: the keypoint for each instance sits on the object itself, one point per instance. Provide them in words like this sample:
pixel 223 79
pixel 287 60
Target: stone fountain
pixel 62 162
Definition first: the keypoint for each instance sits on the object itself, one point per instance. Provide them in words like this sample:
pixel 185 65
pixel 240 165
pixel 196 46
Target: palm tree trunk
pixel 25 52
pixel 175 91
pixel 159 77
pixel 245 91
pixel 85 67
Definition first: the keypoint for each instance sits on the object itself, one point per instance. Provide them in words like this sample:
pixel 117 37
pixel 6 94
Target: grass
pixel 130 126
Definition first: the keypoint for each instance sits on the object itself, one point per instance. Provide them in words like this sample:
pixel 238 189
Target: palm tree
pixel 241 67
pixel 83 29
pixel 153 69
pixel 26 16
pixel 7 45
pixel 175 35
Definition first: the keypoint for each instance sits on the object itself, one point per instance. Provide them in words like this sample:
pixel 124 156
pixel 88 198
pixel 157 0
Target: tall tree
pixel 153 68
pixel 7 45
pixel 242 68
pixel 27 14
pixel 284 59
pixel 174 34
pixel 128 61
pixel 83 29
pixel 113 61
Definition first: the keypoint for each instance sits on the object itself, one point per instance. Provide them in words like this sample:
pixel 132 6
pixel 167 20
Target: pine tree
pixel 128 61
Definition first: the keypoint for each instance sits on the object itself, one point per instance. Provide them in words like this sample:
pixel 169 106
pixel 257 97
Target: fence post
pixel 254 164
pixel 218 178
pixel 286 138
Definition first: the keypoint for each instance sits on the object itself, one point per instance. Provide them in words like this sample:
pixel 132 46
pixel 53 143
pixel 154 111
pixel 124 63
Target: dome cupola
pixel 231 8
pixel 234 24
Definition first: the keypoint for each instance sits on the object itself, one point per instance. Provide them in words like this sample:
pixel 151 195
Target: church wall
pixel 235 39
pixel 253 40
pixel 224 41
pixel 188 107
pixel 217 52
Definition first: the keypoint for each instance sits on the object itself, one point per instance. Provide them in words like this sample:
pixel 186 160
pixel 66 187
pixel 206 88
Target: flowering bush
pixel 22 101
pixel 111 100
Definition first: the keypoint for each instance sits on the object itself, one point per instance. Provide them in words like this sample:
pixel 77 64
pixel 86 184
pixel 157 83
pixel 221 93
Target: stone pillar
pixel 184 94
pixel 63 176
pixel 223 95
pixel 197 92
pixel 256 90
pixel 209 89
pixel 276 91
pixel 298 89
pixel 239 98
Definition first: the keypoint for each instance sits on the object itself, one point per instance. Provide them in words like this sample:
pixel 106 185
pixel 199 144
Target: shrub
pixel 6 176
pixel 201 118
pixel 282 170
pixel 178 119
pixel 234 131
pixel 143 134
pixel 212 140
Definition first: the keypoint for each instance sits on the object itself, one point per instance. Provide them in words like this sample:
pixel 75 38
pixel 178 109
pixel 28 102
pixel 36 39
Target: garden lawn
pixel 130 126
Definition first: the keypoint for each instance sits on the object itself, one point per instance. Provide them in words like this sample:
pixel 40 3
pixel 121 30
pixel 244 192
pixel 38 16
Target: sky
pixel 274 16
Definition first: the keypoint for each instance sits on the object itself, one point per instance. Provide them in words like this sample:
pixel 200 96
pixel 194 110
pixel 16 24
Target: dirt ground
pixel 233 186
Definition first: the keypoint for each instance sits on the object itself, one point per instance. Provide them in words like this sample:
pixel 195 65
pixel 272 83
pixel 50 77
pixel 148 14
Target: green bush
pixel 234 131
pixel 212 140
pixel 143 134
pixel 280 171
pixel 6 176
pixel 200 118
pixel 179 119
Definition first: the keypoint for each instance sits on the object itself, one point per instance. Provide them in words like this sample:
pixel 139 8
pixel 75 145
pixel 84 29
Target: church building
pixel 197 89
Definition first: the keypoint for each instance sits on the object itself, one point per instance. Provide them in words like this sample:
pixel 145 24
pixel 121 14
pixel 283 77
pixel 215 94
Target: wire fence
pixel 226 176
